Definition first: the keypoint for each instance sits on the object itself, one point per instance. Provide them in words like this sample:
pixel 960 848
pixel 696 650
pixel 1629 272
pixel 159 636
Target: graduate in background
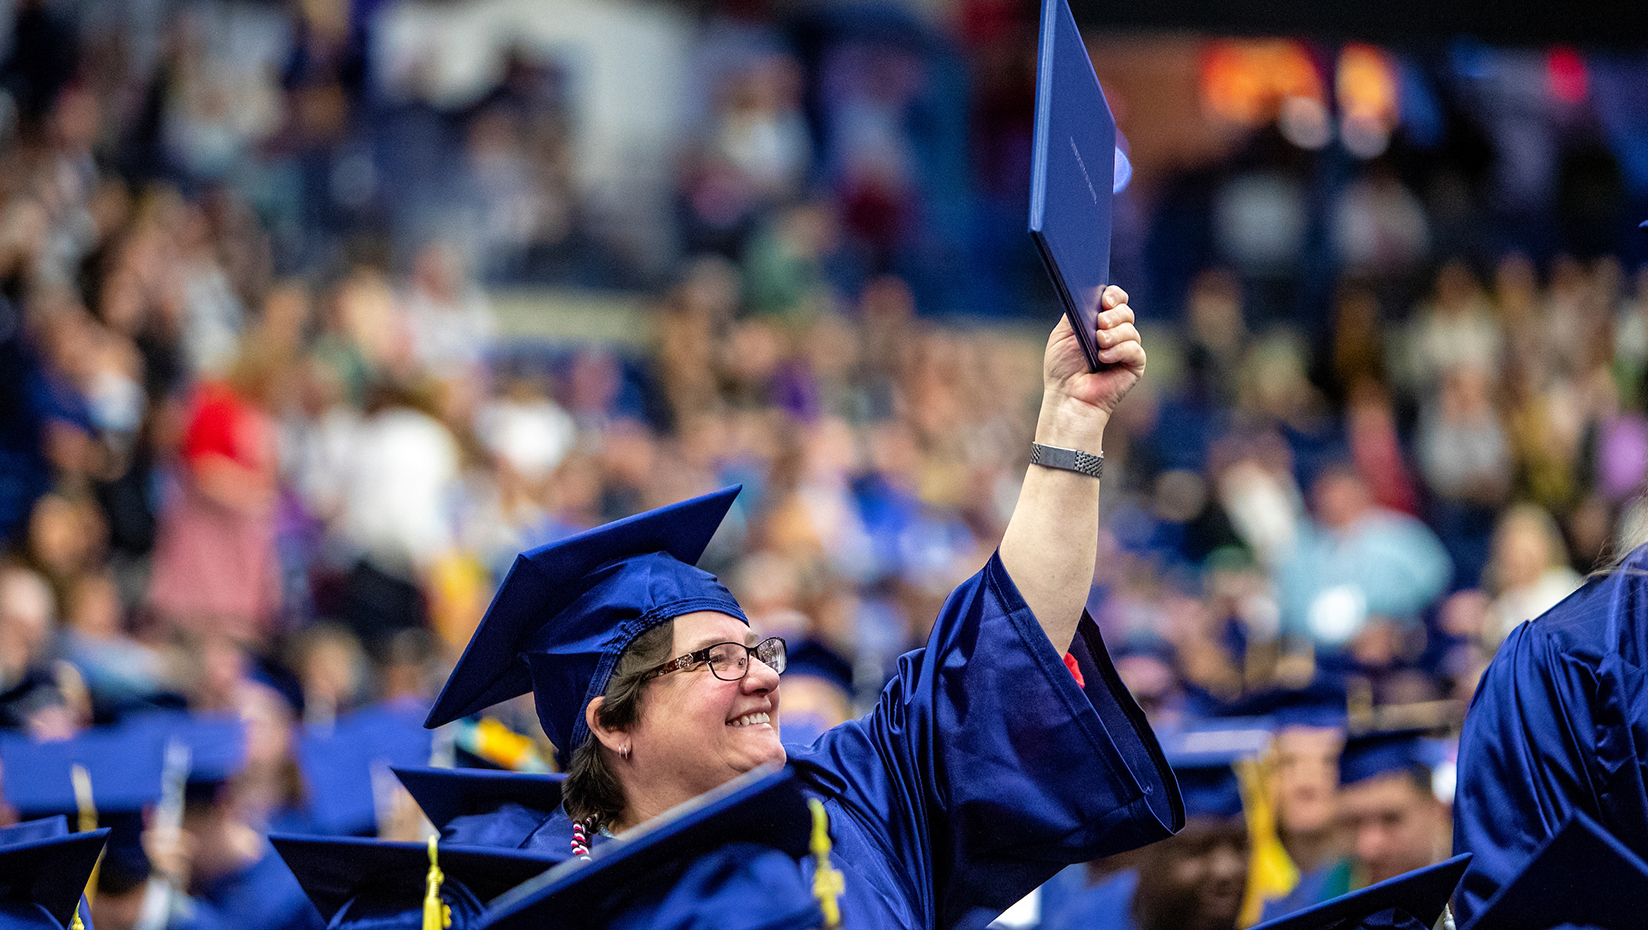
pixel 1002 751
pixel 1393 820
pixel 1197 879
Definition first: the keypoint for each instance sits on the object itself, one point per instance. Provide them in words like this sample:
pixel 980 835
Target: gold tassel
pixel 437 915
pixel 828 882
pixel 1271 873
pixel 75 923
pixel 86 822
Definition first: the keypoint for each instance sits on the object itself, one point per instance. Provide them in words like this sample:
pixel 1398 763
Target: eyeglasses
pixel 728 661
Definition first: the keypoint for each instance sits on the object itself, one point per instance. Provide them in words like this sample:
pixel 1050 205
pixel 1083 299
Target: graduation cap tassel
pixel 86 821
pixel 437 914
pixel 828 882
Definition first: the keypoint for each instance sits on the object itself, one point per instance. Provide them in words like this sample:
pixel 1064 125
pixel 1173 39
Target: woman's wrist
pixel 1071 424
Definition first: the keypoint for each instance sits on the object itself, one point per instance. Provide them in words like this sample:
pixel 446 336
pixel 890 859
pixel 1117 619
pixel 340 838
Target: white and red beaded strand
pixel 580 838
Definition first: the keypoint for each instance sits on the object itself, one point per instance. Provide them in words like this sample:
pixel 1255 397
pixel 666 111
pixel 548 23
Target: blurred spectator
pixel 214 565
pixel 1359 575
pixel 1528 573
pixel 29 694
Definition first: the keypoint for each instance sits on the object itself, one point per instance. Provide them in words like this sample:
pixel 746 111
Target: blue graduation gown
pixel 983 770
pixel 1559 723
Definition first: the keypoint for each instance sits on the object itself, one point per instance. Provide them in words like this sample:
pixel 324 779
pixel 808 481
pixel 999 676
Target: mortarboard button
pixel 621 578
pixel 362 882
pixel 41 881
pixel 1411 901
pixel 731 853
pixel 1581 876
pixel 448 793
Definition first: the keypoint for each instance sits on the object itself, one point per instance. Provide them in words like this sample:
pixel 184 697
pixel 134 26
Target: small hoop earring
pixel 624 752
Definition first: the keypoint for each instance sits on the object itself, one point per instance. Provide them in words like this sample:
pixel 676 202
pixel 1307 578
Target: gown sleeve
pixel 984 768
pixel 1556 725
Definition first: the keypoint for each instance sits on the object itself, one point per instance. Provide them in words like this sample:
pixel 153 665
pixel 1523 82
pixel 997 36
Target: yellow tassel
pixel 828 882
pixel 75 923
pixel 87 819
pixel 1271 873
pixel 437 915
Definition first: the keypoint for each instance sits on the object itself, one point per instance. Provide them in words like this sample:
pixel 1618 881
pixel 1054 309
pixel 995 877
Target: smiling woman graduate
pixel 1003 750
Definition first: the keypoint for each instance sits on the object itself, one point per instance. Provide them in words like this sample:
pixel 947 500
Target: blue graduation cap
pixel 122 768
pixel 1370 755
pixel 568 610
pixel 1581 876
pixel 812 658
pixel 445 794
pixel 1411 901
pixel 727 857
pixel 30 831
pixel 368 883
pixel 41 880
pixel 1202 754
pixel 347 765
pixel 1321 704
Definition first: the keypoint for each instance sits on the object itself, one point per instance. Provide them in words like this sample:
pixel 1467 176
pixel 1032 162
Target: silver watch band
pixel 1082 463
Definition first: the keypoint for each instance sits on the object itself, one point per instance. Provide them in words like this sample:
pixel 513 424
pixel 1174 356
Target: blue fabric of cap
pixel 566 612
pixel 1321 704
pixel 811 657
pixel 49 874
pixel 1370 755
pixel 447 793
pixel 1202 754
pixel 338 763
pixel 31 831
pixel 1418 896
pixel 762 808
pixel 122 763
pixel 353 881
pixel 1583 875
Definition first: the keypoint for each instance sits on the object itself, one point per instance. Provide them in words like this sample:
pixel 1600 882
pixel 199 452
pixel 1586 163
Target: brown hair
pixel 592 788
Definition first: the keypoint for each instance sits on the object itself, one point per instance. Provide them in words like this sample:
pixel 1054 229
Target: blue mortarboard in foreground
pixel 727 858
pixel 568 610
pixel 30 831
pixel 1370 755
pixel 1581 876
pixel 1411 901
pixel 361 882
pixel 1201 755
pixel 447 793
pixel 41 881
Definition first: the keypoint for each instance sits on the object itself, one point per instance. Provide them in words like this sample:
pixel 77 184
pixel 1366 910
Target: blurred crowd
pixel 254 461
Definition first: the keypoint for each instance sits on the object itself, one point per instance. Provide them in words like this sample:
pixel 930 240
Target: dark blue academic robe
pixel 983 770
pixel 1559 723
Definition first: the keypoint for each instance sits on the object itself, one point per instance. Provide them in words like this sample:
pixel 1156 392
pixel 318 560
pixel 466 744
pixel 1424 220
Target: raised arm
pixel 1052 539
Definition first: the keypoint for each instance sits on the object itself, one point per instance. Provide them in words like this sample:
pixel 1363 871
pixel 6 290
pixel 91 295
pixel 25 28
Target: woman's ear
pixel 615 740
